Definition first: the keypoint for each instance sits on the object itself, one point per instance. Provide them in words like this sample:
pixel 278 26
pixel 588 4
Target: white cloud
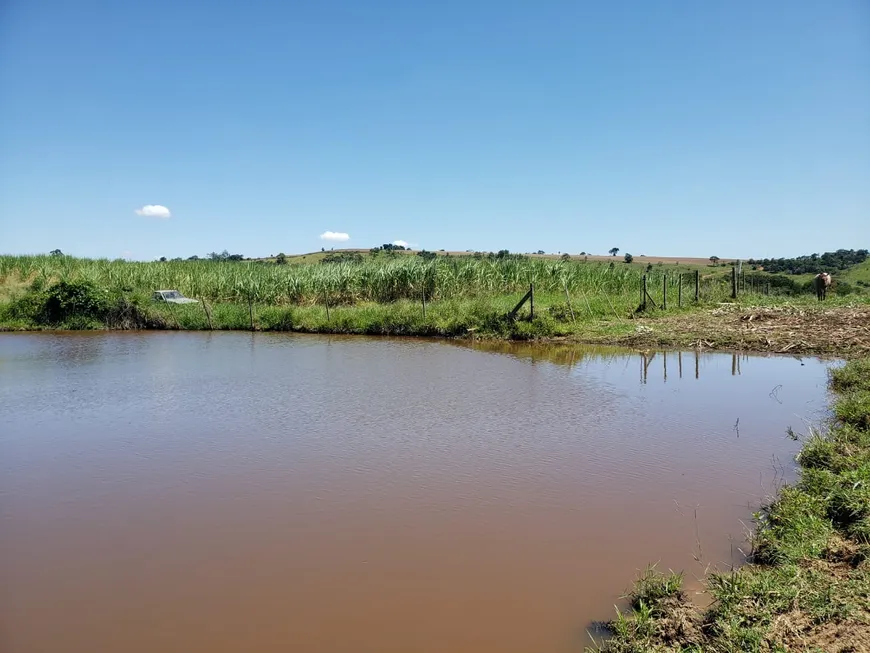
pixel 400 243
pixel 335 235
pixel 154 211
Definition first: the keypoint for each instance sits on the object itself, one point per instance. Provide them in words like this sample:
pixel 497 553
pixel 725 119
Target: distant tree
pixel 193 258
pixel 374 251
pixel 540 251
pixel 281 259
pixel 714 260
pixel 582 253
pixel 426 256
pixel 342 257
pixel 163 259
pixel 566 256
pixel 614 251
pixel 225 256
pixel 628 258
pixel 830 262
pixel 503 253
pixel 56 252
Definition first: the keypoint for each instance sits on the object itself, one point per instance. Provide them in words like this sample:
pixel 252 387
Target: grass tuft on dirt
pixel 807 584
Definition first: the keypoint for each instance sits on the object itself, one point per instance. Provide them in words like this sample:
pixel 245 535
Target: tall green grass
pixel 593 286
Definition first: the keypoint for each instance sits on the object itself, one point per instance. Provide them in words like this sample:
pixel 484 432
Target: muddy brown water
pixel 253 492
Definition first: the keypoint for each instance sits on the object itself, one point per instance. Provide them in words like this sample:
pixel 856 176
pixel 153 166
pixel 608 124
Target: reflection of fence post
pixel 680 363
pixel 665 293
pixel 251 311
pixel 696 363
pixel 697 285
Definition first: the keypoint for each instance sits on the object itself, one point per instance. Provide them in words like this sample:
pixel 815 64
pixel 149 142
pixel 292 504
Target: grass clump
pixel 807 584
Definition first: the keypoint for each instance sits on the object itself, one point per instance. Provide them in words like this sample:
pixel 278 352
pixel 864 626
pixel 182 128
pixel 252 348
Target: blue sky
pixel 735 128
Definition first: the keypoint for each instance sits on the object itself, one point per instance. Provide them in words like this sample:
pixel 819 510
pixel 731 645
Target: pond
pixel 272 492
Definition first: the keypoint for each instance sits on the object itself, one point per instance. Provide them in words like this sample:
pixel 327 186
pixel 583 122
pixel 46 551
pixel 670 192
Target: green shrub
pixel 74 299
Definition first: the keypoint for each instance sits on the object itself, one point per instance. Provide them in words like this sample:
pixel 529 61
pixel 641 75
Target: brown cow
pixel 822 282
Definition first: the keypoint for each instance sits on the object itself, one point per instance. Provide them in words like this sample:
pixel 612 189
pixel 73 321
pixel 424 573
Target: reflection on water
pixel 271 492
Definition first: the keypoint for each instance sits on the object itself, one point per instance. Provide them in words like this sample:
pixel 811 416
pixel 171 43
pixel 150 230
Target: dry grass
pixel 840 330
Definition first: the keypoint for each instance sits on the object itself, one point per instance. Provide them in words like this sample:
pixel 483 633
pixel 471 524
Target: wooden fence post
pixel 697 285
pixel 733 282
pixel 207 316
pixel 532 300
pixel 665 293
pixel 643 292
pixel 568 300
pixel 680 291
pixel 251 311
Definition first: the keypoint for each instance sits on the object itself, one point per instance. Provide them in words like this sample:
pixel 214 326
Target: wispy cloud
pixel 337 236
pixel 154 211
pixel 401 243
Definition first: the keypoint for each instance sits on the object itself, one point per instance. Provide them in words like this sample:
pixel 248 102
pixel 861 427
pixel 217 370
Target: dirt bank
pixel 841 331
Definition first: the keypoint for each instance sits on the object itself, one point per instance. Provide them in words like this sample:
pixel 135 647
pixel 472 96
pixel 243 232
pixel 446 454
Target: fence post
pixel 423 296
pixel 643 292
pixel 697 285
pixel 733 282
pixel 251 311
pixel 207 316
pixel 568 299
pixel 665 293
pixel 680 291
pixel 532 300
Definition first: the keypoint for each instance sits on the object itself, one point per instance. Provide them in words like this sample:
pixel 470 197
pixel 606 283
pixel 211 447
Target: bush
pixel 844 288
pixel 81 299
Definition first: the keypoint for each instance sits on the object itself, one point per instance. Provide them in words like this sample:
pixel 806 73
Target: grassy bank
pixel 807 586
pixel 588 302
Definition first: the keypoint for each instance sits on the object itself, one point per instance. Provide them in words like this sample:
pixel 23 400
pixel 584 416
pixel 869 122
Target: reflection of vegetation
pixel 809 575
pixel 560 354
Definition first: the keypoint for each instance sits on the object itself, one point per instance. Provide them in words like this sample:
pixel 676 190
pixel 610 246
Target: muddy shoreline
pixel 841 331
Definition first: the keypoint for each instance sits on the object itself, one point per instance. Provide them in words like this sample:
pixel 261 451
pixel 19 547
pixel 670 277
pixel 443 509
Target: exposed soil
pixel 842 330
